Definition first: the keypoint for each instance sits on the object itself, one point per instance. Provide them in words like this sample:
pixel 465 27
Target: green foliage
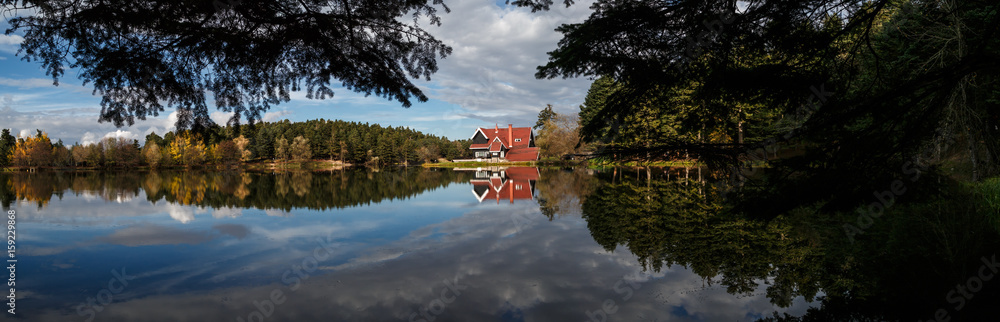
pixel 990 190
pixel 350 142
pixel 7 144
pixel 545 115
pixel 375 51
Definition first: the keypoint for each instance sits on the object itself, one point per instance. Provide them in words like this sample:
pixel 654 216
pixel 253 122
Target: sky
pixel 487 80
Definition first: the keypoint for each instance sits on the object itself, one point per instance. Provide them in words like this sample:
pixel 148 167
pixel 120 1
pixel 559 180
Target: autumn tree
pixel 559 136
pixel 61 155
pixel 119 152
pixel 299 149
pixel 151 153
pixel 428 153
pixel 241 146
pixel 194 154
pixel 281 149
pixel 188 150
pixel 33 151
pixel 227 153
pixel 78 153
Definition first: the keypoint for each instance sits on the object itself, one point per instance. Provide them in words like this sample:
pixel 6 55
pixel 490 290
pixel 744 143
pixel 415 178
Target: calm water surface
pixel 359 245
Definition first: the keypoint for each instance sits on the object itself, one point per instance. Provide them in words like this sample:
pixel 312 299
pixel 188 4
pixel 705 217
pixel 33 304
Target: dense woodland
pixel 347 142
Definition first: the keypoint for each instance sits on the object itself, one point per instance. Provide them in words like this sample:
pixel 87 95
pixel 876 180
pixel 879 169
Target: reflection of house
pixel 510 144
pixel 496 183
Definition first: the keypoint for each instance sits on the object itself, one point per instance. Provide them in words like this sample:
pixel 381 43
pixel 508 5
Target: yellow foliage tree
pixel 187 150
pixel 241 145
pixel 33 151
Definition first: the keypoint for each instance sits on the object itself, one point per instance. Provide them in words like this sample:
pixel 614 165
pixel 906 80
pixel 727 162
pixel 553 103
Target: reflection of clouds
pixel 533 268
pixel 238 231
pixel 227 212
pixel 549 271
pixel 277 213
pixel 155 235
pixel 335 230
pixel 180 213
pixel 89 209
pixel 46 251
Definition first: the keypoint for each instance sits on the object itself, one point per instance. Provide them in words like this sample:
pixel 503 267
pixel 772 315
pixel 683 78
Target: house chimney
pixel 497 129
pixel 510 134
pixel 510 190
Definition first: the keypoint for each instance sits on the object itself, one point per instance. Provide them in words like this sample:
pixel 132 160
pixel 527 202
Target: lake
pixel 412 244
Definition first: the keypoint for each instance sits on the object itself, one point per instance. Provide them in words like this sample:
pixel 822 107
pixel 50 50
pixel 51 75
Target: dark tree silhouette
pixel 143 56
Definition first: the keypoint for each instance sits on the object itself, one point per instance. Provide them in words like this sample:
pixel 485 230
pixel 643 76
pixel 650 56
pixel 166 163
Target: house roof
pixel 496 145
pixel 524 154
pixel 523 133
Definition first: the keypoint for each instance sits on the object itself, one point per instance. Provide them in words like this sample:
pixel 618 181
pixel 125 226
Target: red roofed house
pixel 499 145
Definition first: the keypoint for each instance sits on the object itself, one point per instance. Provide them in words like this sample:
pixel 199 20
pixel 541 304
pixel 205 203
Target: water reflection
pixel 285 190
pixel 365 245
pixel 508 183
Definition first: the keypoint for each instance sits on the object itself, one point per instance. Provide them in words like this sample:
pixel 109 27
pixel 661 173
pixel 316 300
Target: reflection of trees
pixel 336 189
pixel 673 223
pixel 562 191
pixel 901 268
pixel 39 187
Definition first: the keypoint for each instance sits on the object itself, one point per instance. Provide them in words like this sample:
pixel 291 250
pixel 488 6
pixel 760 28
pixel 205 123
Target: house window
pixel 517 140
pixel 517 187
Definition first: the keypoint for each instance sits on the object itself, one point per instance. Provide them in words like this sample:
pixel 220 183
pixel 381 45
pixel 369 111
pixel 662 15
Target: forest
pixel 285 141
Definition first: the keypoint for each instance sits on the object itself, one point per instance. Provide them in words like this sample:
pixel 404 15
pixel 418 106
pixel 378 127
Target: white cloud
pixel 121 134
pixel 26 82
pixel 495 51
pixel 220 117
pixel 275 116
pixel 10 43
pixel 89 138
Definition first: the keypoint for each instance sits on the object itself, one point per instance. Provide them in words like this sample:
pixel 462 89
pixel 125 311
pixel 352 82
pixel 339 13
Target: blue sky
pixel 488 79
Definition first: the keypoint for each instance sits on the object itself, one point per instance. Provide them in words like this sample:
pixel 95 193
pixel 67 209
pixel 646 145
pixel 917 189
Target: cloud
pixel 496 51
pixel 73 121
pixel 220 117
pixel 122 134
pixel 275 116
pixel 10 43
pixel 26 83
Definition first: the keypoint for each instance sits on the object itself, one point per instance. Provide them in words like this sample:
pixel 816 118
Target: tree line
pixel 333 140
